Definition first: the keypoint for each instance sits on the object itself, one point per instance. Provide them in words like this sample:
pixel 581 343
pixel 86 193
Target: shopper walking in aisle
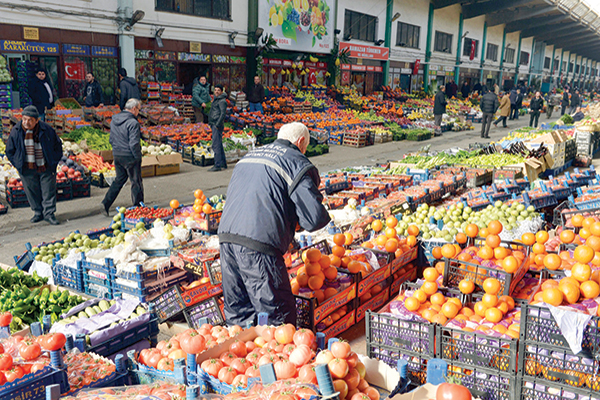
pixel 564 104
pixel 40 92
pixel 513 103
pixel 489 104
pixel 256 95
pixel 505 108
pixel 439 108
pixel 575 101
pixel 216 120
pixel 92 92
pixel 201 100
pixel 127 152
pixel 535 108
pixel 129 88
pixel 273 190
pixel 518 104
pixel 34 149
pixel 465 90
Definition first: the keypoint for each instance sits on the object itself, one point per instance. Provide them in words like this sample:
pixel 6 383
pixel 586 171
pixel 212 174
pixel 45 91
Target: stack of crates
pixel 5 96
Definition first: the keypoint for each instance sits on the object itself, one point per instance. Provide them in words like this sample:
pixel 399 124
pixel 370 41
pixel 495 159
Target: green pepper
pixel 26 291
pixel 63 297
pixel 13 270
pixel 54 309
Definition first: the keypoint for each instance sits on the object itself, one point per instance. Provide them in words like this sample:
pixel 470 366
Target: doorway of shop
pixel 188 72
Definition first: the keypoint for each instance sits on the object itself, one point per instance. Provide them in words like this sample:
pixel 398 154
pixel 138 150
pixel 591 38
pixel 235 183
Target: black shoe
pixel 52 220
pixel 104 210
pixel 36 218
pixel 214 169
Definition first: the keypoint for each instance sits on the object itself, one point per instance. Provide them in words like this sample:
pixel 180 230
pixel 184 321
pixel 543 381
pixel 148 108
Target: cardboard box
pixel 168 164
pixel 149 166
pixel 533 168
pixel 107 155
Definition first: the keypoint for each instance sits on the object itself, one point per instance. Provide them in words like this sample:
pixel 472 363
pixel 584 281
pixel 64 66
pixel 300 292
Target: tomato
pixel 307 374
pixel 250 346
pixel 362 385
pixel 352 379
pixel 171 346
pixel 449 391
pixel 284 334
pixel 38 366
pixel 301 355
pixel 362 371
pixel 324 357
pixel 53 341
pixel 29 350
pixel 339 385
pixel 268 334
pixel 193 343
pixel 153 358
pixel 227 375
pixel 352 359
pixel 341 349
pixel 288 348
pixel 253 358
pixel 253 371
pixel 267 359
pixel 176 354
pixel 142 356
pixel 165 364
pixel 372 393
pixel 26 368
pixel 5 318
pixel 161 345
pixel 284 369
pixel 338 368
pixel 1 348
pixel 227 358
pixel 238 348
pixel 235 330
pixel 240 365
pixel 6 362
pixel 14 373
pixel 2 378
pixel 305 392
pixel 304 336
pixel 285 395
pixel 212 367
pixel 240 380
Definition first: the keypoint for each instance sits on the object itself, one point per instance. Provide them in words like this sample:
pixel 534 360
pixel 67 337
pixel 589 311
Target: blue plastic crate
pixel 24 260
pixel 95 234
pixel 101 292
pixel 144 288
pixel 33 386
pixel 67 276
pixel 125 339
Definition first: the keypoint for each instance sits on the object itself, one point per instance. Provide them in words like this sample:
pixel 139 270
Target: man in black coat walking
pixel 564 104
pixel 489 104
pixel 40 92
pixel 129 88
pixel 575 101
pixel 439 108
pixel 535 108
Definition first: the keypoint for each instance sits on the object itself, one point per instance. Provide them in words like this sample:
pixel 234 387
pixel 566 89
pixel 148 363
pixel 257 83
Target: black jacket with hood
pixel 129 90
pixel 92 93
pixel 39 95
pixel 125 135
pixel 218 111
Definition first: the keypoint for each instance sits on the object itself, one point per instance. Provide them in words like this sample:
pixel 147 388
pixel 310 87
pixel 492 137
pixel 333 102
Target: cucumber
pixel 90 312
pixel 140 310
pixel 82 314
pixel 104 305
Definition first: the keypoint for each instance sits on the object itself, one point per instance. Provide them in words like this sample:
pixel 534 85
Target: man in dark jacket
pixel 256 95
pixel 535 108
pixel 92 93
pixel 564 104
pixel 518 103
pixel 129 88
pixel 216 120
pixel 34 150
pixel 575 101
pixel 127 152
pixel 489 104
pixel 439 108
pixel 477 88
pixel 272 191
pixel 201 99
pixel 513 103
pixel 465 90
pixel 579 115
pixel 40 92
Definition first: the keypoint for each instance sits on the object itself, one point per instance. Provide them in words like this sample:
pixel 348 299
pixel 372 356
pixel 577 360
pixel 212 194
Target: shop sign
pixel 378 69
pixel 273 61
pixel 310 64
pixel 405 71
pixel 221 59
pixel 237 60
pixel 346 77
pixel 144 54
pixel 321 65
pixel 195 47
pixel 489 76
pixel 103 51
pixel 28 47
pixel 76 49
pixel 295 26
pixel 359 68
pixel 194 57
pixel 448 69
pixel 287 63
pixel 370 68
pixel 346 66
pixel 433 67
pixel 30 33
pixel 364 51
pixel 165 55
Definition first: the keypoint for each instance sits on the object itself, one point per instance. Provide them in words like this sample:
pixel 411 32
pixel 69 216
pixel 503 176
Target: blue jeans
pixel 256 107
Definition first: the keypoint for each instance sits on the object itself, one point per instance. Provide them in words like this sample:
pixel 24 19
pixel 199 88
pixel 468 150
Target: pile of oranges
pixel 316 270
pixel 388 239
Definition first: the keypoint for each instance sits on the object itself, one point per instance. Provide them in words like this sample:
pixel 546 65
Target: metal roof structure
pixel 572 25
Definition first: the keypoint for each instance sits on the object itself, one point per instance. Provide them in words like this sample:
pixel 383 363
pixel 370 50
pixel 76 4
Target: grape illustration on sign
pixel 298 24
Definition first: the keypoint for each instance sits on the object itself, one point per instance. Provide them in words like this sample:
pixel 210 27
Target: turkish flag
pixel 75 71
pixel 416 66
pixel 472 54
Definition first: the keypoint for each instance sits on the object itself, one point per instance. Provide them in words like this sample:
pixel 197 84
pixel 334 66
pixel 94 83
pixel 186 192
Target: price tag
pixel 168 304
pixel 208 309
pixel 195 269
pixel 400 208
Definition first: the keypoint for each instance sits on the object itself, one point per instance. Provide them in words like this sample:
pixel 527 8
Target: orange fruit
pixel 472 230
pixel 510 264
pixel 596 259
pixel 376 225
pixel 461 238
pixel 429 288
pixel 567 236
pixel 456 301
pixel 448 251
pixel 500 253
pixel 330 292
pixel 390 233
pixel 489 300
pixel 349 238
pixel 450 310
pixel 570 292
pixel 420 295
pixel 324 261
pixel 412 304
pixel 491 286
pixel 391 222
pixel 541 237
pixel 539 258
pixel 466 286
pixel 354 266
pixel 413 230
pixel 439 319
pixel 492 240
pixel 391 245
pixel 319 295
pixel 315 282
pixel 411 241
pixel 500 328
pixel 335 260
pixel 590 289
pixel 198 193
pixel 493 315
pixel 206 208
pixel 584 233
pixel 494 227
pixel 330 273
pixel 313 254
pixel 538 248
pixel 588 222
pixel 528 238
pixel 552 262
pixel 437 252
pixel 339 239
pixel 595 228
pixel 552 296
pixel 568 279
pixel 593 242
pixel 428 315
pixel 381 240
pixel 295 286
pixel 174 204
pixel 581 272
pixel 480 309
pixel 484 233
pixel 338 251
pixel 437 298
pixel 503 307
pixel 577 220
pixel 508 300
pixel 430 274
pixel 486 252
pixel 550 283
pixel 312 269
pixel 466 311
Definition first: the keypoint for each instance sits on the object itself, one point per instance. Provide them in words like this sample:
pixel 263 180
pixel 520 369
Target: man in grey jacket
pixel 127 152
pixel 216 120
pixel 201 99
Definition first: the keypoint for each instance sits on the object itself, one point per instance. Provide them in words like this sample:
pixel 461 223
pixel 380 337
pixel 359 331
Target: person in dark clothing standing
pixel 575 101
pixel 439 108
pixel 564 104
pixel 513 103
pixel 40 92
pixel 465 90
pixel 489 104
pixel 477 88
pixel 127 151
pixel 518 104
pixel 535 107
pixel 201 99
pixel 129 88
pixel 216 120
pixel 34 149
pixel 92 92
pixel 256 95
pixel 273 189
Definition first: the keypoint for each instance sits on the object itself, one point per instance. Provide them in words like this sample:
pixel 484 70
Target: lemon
pixel 275 20
pixel 280 18
pixel 272 11
pixel 297 4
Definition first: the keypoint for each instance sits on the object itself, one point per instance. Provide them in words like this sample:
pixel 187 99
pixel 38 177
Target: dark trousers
pixel 514 111
pixel 501 118
pixel 486 122
pixel 40 189
pixel 199 114
pixel 534 115
pixel 563 108
pixel 217 146
pixel 126 168
pixel 255 282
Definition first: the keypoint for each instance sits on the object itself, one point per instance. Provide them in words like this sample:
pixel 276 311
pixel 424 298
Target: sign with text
pixel 195 47
pixel 28 47
pixel 76 49
pixel 30 33
pixel 364 51
pixel 168 304
pixel 305 25
pixel 103 51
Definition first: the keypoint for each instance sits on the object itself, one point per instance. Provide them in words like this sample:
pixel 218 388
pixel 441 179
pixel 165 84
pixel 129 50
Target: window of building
pixel 219 9
pixel 443 42
pixel 509 55
pixel 467 47
pixel 524 58
pixel 577 69
pixel 492 52
pixel 546 62
pixel 555 65
pixel 408 35
pixel 360 26
pixel 570 67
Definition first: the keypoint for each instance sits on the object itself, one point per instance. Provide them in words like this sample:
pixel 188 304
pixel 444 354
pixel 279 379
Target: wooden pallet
pixel 352 142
